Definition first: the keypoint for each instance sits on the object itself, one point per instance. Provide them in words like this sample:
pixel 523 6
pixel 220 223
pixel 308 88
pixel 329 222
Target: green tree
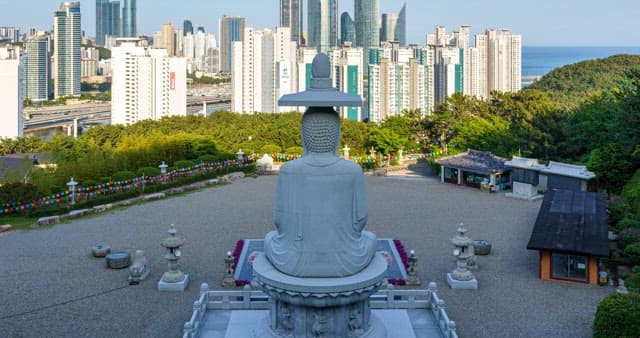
pixel 617 316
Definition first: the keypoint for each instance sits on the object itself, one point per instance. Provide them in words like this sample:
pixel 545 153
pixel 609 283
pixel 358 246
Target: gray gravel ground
pixel 45 267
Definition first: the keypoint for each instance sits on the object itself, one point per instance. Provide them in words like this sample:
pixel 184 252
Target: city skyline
pixel 573 19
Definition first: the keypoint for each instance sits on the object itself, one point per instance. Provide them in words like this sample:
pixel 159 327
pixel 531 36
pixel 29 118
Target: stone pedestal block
pixel 177 286
pixel 461 284
pixel 320 307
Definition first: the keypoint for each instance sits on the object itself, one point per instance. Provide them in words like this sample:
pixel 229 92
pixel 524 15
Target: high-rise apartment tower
pixel 67 35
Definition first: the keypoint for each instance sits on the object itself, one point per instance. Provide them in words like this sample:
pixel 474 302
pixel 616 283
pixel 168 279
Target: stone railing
pixel 389 298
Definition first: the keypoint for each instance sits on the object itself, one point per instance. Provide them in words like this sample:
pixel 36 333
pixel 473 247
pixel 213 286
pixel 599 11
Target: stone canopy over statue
pixel 321 204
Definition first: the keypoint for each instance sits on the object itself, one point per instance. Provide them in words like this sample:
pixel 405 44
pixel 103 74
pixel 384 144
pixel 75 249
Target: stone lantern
pixel 345 152
pixel 228 280
pixel 163 171
pixel 461 277
pixel 412 276
pixel 173 279
pixel 72 188
pixel 240 155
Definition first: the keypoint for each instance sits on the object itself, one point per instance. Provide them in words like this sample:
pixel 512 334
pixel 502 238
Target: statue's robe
pixel 320 211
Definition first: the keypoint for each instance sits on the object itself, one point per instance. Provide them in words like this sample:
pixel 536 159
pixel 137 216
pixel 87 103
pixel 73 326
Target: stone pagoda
pixel 319 266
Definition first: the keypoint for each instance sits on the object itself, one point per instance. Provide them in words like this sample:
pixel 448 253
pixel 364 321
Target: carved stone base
pixel 320 307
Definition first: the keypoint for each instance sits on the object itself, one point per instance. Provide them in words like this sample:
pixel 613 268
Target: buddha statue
pixel 320 207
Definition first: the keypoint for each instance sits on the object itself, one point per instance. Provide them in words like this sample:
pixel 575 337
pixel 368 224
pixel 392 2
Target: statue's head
pixel 321 130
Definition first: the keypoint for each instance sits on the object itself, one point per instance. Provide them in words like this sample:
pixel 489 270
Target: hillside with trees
pixel 571 85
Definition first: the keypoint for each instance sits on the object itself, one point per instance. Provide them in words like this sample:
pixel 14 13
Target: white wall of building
pixel 146 84
pixel 262 71
pixel 11 93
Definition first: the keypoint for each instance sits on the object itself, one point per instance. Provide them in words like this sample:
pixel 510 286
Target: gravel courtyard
pixel 50 286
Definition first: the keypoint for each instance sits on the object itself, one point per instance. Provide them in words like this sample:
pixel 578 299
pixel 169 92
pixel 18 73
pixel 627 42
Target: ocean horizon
pixel 540 60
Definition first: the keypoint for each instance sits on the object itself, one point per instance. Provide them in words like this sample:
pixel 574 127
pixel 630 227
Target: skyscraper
pixel 187 27
pixel 107 20
pixel 347 29
pixel 129 19
pixel 11 93
pixel 400 33
pixel 231 29
pixel 67 35
pixel 367 20
pixel 291 16
pixel 388 27
pixel 37 69
pixel 167 39
pixel 322 24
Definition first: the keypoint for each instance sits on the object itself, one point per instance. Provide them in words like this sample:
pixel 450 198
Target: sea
pixel 538 61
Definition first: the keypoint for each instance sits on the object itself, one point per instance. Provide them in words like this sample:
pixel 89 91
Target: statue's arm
pixel 361 206
pixel 277 207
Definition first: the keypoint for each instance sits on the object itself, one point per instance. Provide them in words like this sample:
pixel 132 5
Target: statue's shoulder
pixel 350 166
pixel 291 166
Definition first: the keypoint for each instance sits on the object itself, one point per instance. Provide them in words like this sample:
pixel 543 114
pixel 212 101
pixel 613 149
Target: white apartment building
pixel 399 79
pixel 146 83
pixel 494 63
pixel 348 77
pixel 304 60
pixel 88 62
pixel 11 93
pixel 262 68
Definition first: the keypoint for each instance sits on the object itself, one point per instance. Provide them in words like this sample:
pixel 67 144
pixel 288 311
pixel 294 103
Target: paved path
pixel 42 268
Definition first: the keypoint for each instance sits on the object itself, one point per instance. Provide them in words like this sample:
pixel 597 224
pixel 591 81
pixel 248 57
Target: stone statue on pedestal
pixel 319 266
pixel 320 207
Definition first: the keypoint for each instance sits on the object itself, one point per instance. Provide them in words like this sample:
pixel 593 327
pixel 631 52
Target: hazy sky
pixel 541 22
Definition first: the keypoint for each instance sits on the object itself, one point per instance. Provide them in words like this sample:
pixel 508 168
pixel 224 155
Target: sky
pixel 541 22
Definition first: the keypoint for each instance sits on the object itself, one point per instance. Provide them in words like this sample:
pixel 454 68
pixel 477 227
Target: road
pixel 99 113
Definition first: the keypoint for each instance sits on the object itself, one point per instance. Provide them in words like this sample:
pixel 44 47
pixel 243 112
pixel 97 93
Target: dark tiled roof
pixel 475 160
pixel 571 222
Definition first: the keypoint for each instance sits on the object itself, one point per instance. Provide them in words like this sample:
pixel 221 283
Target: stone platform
pixel 403 313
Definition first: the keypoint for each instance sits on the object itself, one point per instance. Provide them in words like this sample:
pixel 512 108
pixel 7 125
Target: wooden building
pixel 571 233
pixel 474 168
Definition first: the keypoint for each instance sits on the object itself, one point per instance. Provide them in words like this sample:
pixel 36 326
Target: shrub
pixel 270 149
pixel 632 251
pixel 89 183
pixel 617 212
pixel 208 158
pixel 617 316
pixel 123 175
pixel 18 192
pixel 631 193
pixel 627 223
pixel 633 282
pixel 628 236
pixel 294 150
pixel 148 171
pixel 183 164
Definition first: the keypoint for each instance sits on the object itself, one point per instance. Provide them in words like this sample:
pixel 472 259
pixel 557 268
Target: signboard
pixel 172 81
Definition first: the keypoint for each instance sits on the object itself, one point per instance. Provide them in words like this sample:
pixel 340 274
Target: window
pixel 569 267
